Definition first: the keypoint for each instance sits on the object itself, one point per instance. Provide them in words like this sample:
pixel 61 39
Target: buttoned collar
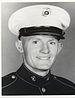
pixel 25 74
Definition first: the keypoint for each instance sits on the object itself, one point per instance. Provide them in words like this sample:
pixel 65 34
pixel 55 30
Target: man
pixel 39 29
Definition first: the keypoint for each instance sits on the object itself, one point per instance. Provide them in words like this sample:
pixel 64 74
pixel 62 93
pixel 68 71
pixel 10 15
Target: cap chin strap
pixel 42 30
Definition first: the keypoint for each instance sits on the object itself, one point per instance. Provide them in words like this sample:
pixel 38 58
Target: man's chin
pixel 43 68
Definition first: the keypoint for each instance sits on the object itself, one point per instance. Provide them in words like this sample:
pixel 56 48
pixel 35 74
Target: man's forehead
pixel 40 37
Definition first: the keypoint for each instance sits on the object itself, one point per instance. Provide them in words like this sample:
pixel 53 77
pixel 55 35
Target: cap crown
pixel 39 15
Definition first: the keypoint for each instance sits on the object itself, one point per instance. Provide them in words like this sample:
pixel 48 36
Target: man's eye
pixel 52 43
pixel 35 42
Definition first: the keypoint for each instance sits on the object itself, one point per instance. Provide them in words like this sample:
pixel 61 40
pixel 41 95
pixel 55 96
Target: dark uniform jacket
pixel 25 82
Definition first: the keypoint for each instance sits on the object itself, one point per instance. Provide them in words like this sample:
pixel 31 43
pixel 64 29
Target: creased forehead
pixel 39 37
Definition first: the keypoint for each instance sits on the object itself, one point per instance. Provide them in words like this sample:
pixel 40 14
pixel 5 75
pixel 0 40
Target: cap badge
pixel 46 12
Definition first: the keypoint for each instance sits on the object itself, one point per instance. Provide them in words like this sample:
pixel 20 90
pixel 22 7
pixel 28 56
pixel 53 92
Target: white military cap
pixel 37 16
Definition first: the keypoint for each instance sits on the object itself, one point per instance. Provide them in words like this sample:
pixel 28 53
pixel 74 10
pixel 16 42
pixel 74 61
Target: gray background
pixel 12 59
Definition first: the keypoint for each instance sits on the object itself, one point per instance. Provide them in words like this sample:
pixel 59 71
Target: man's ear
pixel 60 46
pixel 19 46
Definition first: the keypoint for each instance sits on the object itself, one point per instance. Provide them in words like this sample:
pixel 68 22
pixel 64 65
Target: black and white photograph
pixel 38 48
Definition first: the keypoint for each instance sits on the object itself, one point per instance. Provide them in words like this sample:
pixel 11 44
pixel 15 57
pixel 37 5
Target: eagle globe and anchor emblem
pixel 46 12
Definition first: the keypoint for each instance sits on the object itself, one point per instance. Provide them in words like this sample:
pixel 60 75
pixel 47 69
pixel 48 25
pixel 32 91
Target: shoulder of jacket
pixel 65 82
pixel 9 79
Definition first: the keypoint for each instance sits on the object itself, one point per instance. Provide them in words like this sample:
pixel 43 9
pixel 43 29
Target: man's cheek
pixel 54 50
pixel 35 50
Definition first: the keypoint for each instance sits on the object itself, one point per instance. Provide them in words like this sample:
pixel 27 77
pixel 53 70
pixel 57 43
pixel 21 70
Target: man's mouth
pixel 43 58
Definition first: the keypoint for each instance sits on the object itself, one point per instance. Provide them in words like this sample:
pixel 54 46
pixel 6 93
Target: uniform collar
pixel 25 74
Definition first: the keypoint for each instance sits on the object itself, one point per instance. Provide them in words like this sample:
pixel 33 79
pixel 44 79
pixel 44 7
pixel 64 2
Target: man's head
pixel 39 29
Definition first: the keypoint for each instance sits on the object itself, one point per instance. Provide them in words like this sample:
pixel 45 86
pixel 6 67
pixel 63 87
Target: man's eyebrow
pixel 35 38
pixel 52 39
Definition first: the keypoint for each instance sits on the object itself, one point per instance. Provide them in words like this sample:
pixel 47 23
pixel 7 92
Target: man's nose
pixel 44 49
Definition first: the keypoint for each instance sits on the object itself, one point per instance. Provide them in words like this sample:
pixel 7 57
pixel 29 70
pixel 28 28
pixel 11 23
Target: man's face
pixel 40 51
